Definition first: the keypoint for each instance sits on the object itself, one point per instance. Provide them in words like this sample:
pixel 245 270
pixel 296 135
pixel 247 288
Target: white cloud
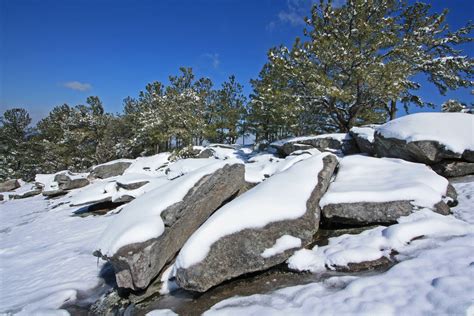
pixel 296 11
pixel 78 86
pixel 214 59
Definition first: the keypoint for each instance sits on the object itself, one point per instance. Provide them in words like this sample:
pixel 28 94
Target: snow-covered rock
pixel 111 169
pixel 149 231
pixel 337 143
pixel 69 180
pixel 9 185
pixel 246 234
pixel 370 190
pixel 429 138
pixel 263 166
pixel 364 137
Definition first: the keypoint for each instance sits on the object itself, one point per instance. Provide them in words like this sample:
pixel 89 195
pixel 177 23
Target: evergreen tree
pixel 228 111
pixel 453 106
pixel 17 156
pixel 358 62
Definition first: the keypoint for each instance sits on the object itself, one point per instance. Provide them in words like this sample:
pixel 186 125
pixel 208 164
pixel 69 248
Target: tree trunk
pixel 393 110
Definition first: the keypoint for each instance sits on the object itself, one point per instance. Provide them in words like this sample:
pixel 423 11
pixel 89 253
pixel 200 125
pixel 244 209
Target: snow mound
pixel 259 167
pixel 367 179
pixel 271 201
pixel 337 136
pixel 364 132
pixel 140 220
pixel 148 165
pixel 453 130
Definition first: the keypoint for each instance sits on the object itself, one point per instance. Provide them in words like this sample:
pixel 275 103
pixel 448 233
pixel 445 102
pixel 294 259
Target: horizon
pixel 61 52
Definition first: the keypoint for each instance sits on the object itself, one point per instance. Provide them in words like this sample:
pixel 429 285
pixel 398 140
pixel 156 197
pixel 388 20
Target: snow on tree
pixel 357 62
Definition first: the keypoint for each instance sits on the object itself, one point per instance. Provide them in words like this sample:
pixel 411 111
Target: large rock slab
pixel 454 168
pixel 427 138
pixel 339 142
pixel 259 229
pixel 149 231
pixel 9 185
pixel 370 191
pixel 364 137
pixel 111 169
pixel 69 181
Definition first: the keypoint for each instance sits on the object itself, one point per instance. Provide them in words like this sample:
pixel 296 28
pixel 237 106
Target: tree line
pixel 356 64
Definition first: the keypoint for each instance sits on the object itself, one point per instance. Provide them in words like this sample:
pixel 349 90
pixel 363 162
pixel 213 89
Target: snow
pixel 282 244
pixel 453 130
pixel 185 166
pixel 379 242
pixel 433 277
pixel 259 167
pixel 47 181
pixel 148 165
pixel 367 179
pixel 140 220
pixel 281 197
pixel 161 312
pixel 337 136
pixel 46 255
pixel 364 132
pixel 113 162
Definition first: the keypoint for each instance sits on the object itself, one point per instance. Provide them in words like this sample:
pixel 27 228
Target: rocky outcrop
pixel 137 264
pixel 27 194
pixel 370 213
pixel 110 169
pixel 368 191
pixel 9 185
pixel 68 181
pixel 444 140
pixel 453 168
pixel 342 143
pixel 364 137
pixel 257 249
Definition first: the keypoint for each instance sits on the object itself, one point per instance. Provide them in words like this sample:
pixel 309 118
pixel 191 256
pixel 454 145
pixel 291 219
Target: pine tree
pixel 358 61
pixel 453 106
pixel 18 159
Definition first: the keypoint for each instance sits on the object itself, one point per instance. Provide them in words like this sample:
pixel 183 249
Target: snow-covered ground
pixel 435 275
pixel 46 254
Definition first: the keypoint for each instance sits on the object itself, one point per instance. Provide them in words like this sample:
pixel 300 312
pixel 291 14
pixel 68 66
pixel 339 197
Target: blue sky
pixel 55 52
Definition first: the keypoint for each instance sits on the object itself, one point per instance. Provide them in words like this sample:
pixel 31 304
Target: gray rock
pixel 136 265
pixel 131 185
pixel 240 253
pixel 347 146
pixel 370 213
pixel 290 147
pixel 206 153
pixel 468 155
pixel 26 194
pixel 1 197
pixel 426 151
pixel 111 169
pixel 54 193
pixel 9 185
pixel 67 181
pixel 454 168
pixel 364 145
